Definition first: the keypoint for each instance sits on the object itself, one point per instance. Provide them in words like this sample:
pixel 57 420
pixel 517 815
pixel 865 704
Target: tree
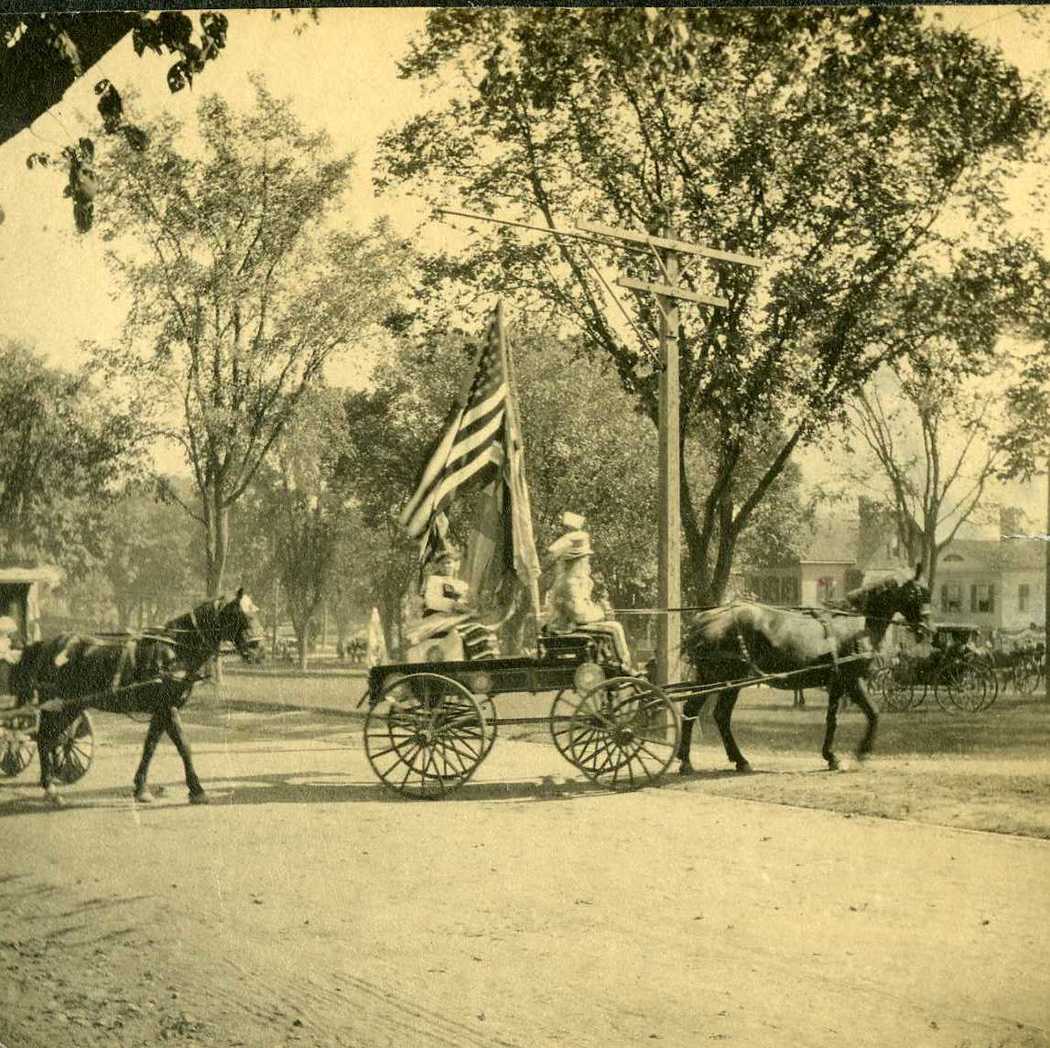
pixel 837 144
pixel 43 53
pixel 241 293
pixel 67 449
pixel 945 389
pixel 306 507
pixel 938 486
pixel 146 562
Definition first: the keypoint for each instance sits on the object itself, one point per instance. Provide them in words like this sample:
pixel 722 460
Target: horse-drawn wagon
pixel 430 725
pixel 20 721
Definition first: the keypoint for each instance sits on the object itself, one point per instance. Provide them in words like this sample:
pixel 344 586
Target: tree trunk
pixel 218 542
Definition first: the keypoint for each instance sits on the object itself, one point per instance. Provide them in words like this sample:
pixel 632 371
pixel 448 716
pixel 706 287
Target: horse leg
pixel 174 729
pixel 834 693
pixel 690 713
pixel 859 691
pixel 52 724
pixel 157 724
pixel 723 718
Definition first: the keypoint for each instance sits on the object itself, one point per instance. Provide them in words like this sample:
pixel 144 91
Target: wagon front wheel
pixel 426 736
pixel 621 734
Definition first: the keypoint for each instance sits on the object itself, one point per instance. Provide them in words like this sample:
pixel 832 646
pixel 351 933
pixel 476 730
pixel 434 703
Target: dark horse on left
pixel 792 648
pixel 150 673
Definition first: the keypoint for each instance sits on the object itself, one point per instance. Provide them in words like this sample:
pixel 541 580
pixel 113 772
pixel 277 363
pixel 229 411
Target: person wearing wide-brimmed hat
pixel 570 600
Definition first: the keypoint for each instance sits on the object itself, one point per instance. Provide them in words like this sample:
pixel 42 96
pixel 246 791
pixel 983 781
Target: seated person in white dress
pixel 570 601
pixel 449 625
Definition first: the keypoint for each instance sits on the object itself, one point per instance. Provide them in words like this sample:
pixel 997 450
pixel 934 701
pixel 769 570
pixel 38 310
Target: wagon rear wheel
pixel 426 735
pixel 622 734
pixel 75 750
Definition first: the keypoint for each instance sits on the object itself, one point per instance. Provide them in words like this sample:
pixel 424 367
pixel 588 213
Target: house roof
pixel 833 540
pixel 993 555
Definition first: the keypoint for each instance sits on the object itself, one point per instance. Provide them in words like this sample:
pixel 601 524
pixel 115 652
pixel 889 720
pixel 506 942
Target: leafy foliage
pixel 66 451
pixel 241 288
pixel 839 145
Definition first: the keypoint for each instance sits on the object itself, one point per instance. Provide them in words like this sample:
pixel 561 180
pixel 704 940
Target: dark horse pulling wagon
pixel 430 725
pixel 56 680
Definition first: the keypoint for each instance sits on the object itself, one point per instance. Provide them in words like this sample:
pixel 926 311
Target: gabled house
pixel 996 584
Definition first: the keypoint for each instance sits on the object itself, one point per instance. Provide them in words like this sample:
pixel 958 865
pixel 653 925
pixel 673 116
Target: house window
pixel 1023 594
pixel 951 596
pixel 982 597
pixel 826 589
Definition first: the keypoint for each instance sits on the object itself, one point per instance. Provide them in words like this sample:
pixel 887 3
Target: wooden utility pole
pixel 669 546
pixel 669 543
pixel 666 251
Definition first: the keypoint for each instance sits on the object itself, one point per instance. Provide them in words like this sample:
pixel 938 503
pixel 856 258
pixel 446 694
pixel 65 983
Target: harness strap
pixel 825 620
pixel 744 651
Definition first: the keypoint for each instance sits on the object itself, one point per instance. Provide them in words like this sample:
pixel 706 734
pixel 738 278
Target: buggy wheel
pixel 893 694
pixel 74 750
pixel 1026 678
pixel 966 687
pixel 916 692
pixel 426 735
pixel 16 751
pixel 622 734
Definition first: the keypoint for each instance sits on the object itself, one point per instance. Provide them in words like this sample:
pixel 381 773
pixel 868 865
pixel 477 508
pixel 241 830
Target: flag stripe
pixel 432 470
pixel 464 449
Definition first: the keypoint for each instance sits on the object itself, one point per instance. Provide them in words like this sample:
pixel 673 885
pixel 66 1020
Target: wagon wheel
pixel 917 690
pixel 16 751
pixel 893 694
pixel 966 686
pixel 426 735
pixel 1026 677
pixel 623 733
pixel 74 750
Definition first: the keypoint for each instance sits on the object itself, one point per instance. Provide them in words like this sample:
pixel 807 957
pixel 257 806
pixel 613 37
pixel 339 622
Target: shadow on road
pixel 298 788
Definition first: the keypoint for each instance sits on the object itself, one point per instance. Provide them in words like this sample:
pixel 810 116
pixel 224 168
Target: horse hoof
pixel 199 798
pixel 143 796
pixel 743 767
pixel 833 764
pixel 685 768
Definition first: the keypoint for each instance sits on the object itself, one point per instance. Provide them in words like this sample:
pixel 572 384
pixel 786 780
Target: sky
pixel 341 75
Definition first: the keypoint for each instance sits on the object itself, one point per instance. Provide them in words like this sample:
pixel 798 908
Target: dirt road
pixel 307 906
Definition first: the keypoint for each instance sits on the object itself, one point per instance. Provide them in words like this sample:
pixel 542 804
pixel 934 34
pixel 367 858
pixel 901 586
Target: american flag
pixel 472 441
pixel 483 431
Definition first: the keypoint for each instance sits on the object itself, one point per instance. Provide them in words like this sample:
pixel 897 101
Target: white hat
pixel 8 625
pixel 571 545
